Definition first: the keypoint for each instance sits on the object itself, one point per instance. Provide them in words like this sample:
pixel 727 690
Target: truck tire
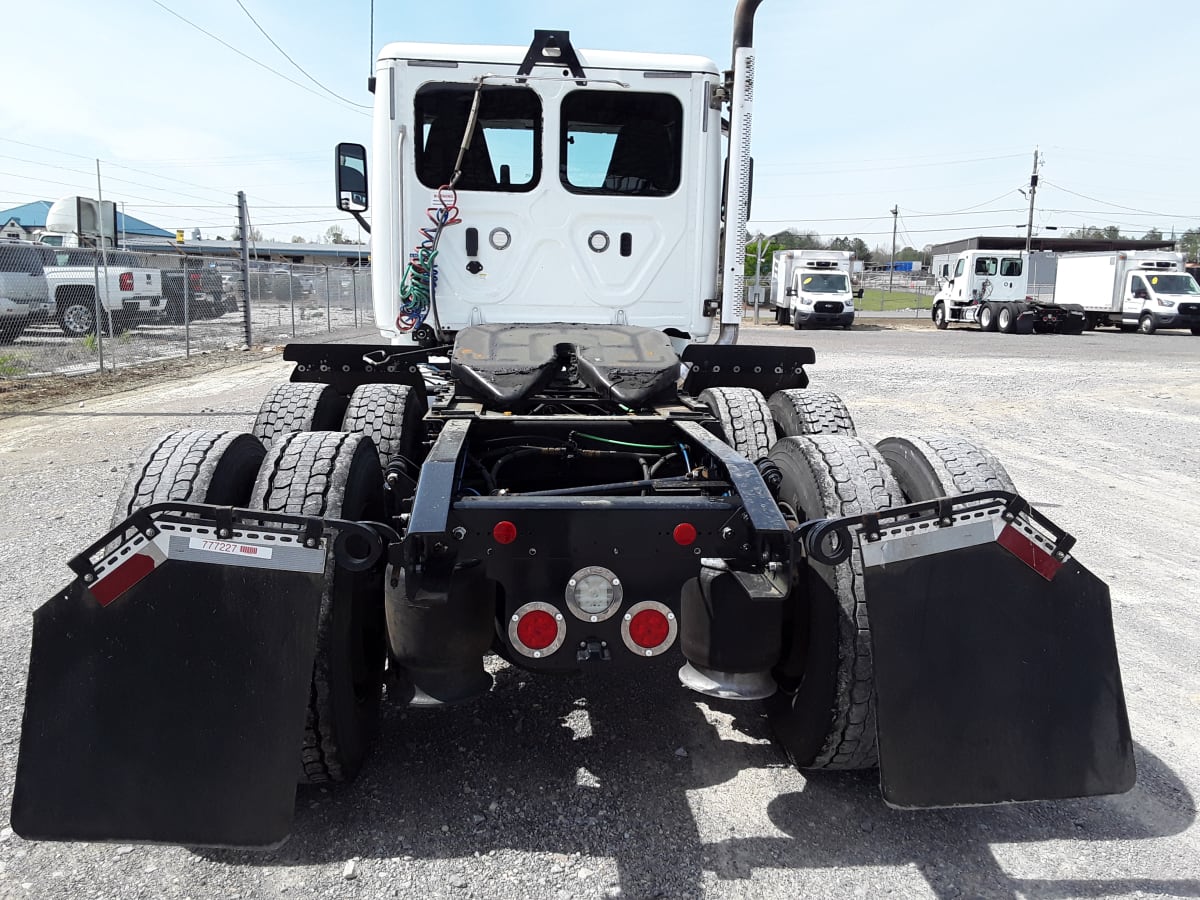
pixel 12 329
pixel 77 312
pixel 941 465
pixel 1146 324
pixel 783 316
pixel 745 419
pixel 216 467
pixel 337 475
pixel 1196 331
pixel 824 712
pixel 940 322
pixel 987 316
pixel 298 406
pixel 391 416
pixel 797 325
pixel 808 411
pixel 1006 317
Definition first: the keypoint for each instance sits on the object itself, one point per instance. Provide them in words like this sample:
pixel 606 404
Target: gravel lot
pixel 633 787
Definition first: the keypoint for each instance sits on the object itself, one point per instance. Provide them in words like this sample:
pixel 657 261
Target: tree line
pixel 810 240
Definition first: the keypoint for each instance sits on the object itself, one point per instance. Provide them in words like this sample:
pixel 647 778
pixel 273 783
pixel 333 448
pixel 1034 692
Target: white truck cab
pixel 594 185
pixel 990 288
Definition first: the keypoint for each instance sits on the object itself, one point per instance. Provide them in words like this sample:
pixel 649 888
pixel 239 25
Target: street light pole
pixel 892 267
pixel 1033 181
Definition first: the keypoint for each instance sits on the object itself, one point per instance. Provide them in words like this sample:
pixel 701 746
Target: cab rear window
pixel 505 150
pixel 621 143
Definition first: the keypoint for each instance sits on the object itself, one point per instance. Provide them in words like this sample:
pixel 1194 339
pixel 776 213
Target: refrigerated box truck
pixel 1142 289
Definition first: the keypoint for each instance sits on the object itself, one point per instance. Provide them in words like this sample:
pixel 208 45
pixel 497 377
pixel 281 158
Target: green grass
pixel 11 364
pixel 90 343
pixel 877 300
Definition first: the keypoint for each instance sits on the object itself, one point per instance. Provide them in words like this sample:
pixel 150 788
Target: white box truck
pixel 1142 289
pixel 813 287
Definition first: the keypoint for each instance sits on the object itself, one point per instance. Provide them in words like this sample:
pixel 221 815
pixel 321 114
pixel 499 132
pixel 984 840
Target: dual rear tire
pixel 824 712
pixel 296 463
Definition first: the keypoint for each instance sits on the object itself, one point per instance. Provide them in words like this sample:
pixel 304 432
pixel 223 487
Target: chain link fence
pixel 75 311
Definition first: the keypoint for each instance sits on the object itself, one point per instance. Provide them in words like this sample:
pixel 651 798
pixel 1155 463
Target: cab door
pixel 1137 295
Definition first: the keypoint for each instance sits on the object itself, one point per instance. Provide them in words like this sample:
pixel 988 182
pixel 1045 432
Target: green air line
pixel 625 443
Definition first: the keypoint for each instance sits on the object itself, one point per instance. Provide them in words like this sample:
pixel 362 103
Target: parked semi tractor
pixel 813 287
pixel 990 288
pixel 1142 289
pixel 542 462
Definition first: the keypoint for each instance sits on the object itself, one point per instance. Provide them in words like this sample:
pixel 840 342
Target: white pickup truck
pixel 126 288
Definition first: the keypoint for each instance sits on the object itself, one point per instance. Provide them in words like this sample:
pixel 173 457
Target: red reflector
pixel 126 281
pixel 537 629
pixel 649 628
pixel 504 532
pixel 1029 553
pixel 122 578
pixel 684 534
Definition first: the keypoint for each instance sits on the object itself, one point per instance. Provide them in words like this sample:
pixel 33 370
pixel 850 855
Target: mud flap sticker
pixel 995 666
pixel 167 703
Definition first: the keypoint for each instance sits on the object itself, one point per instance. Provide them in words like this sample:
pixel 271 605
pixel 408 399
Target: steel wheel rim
pixel 78 318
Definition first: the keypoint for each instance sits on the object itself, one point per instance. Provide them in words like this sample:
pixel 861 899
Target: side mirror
pixel 351 178
pixel 859 293
pixel 790 292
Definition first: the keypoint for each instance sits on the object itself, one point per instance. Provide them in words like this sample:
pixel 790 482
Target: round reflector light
pixel 684 534
pixel 505 532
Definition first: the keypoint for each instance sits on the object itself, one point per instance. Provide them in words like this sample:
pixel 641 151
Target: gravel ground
pixel 630 786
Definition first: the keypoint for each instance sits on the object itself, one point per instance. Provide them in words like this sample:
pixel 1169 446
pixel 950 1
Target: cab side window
pixel 958 270
pixel 1010 268
pixel 985 265
pixel 1138 288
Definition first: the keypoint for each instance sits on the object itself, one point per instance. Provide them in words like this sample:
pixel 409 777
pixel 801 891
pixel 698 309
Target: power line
pixel 261 65
pixel 296 64
pixel 856 169
pixel 1132 209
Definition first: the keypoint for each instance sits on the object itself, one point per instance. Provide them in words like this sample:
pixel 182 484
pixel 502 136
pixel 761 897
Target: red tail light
pixel 195 279
pixel 126 281
pixel 537 630
pixel 505 532
pixel 649 628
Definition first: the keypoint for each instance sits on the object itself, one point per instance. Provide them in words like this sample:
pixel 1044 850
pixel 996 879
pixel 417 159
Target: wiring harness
pixel 420 276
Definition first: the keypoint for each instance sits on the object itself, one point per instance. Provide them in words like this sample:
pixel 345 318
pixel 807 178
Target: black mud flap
pixel 995 663
pixel 167 691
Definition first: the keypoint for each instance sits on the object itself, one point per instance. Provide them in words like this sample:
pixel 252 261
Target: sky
pixel 934 108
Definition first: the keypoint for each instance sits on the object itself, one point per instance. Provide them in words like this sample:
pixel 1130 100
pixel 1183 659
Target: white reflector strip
pixel 900 545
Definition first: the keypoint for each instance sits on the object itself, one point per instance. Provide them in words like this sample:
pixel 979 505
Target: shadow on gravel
pixel 840 820
pixel 535 767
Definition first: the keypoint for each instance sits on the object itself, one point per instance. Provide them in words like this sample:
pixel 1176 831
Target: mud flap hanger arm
pixel 357 545
pixel 830 541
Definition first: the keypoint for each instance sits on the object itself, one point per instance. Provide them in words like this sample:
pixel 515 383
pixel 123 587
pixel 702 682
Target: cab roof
pixel 608 60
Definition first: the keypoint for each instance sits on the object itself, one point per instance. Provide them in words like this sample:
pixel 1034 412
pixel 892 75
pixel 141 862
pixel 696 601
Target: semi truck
pixel 990 288
pixel 813 287
pixel 542 461
pixel 1128 289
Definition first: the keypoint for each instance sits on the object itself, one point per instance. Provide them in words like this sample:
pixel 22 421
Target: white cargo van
pixel 1142 289
pixel 813 287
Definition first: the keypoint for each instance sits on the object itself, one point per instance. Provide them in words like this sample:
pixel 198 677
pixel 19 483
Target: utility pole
pixel 1033 180
pixel 243 232
pixel 892 267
